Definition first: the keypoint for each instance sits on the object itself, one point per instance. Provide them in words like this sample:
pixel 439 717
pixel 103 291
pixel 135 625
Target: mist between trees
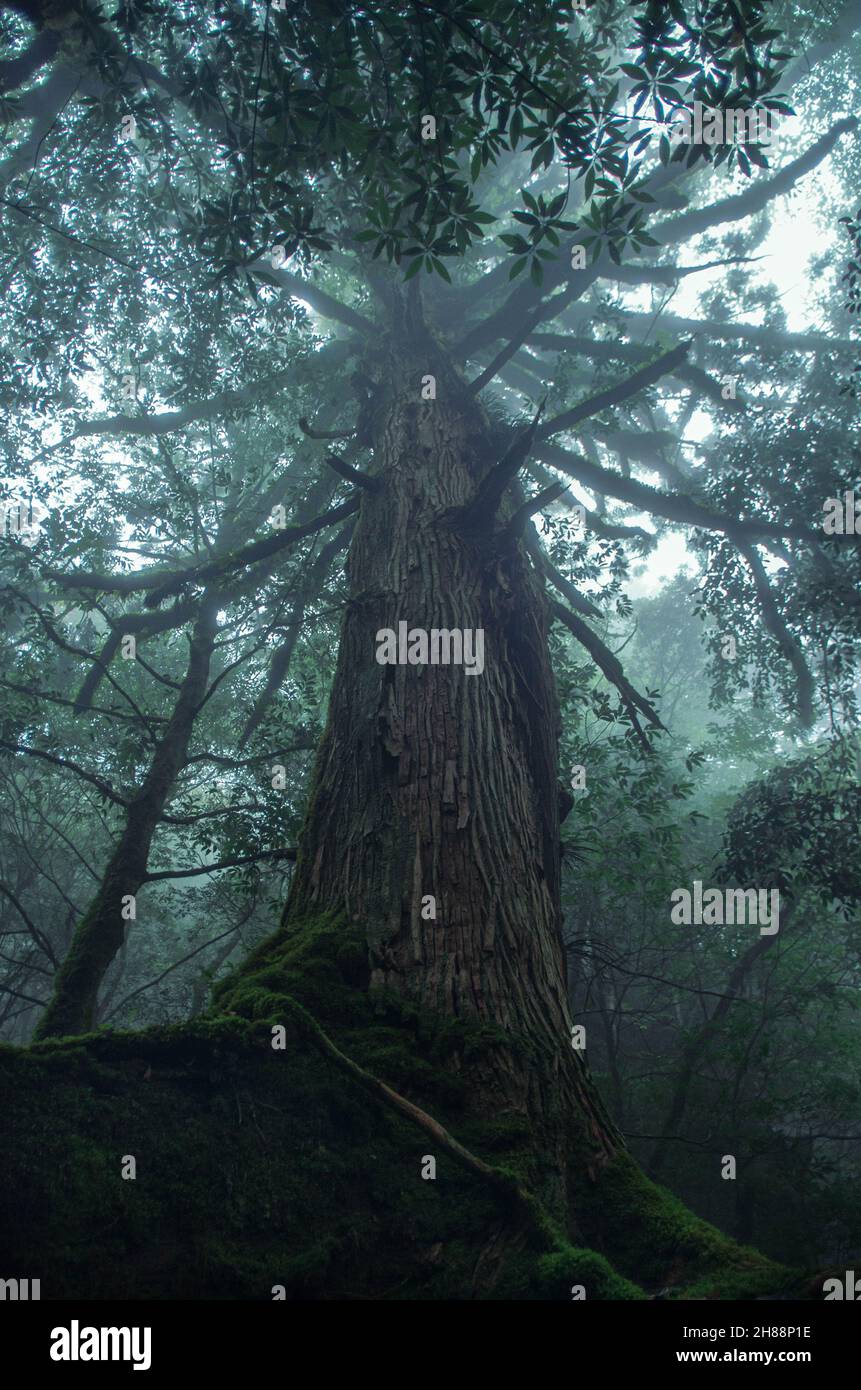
pixel 429 534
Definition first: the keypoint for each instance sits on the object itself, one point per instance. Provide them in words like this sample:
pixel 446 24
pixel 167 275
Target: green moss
pixel 647 1231
pixel 259 1167
pixel 555 1277
pixel 321 963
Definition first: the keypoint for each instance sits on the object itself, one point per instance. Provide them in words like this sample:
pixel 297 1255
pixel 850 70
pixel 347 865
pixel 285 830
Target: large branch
pixel 760 193
pixel 614 395
pixel 98 669
pixel 481 510
pixel 170 420
pixel 776 339
pixel 507 352
pixel 321 302
pixel 167 583
pixel 673 506
pixel 543 562
pixel 524 297
pixel 252 554
pixel 604 350
pixel 505 322
pixel 528 305
pixel 660 180
pixel 127 625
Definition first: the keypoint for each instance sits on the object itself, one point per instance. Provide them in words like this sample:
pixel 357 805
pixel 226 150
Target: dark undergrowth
pixel 260 1168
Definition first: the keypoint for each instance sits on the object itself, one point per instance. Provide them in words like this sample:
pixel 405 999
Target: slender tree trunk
pixel 433 782
pixel 100 933
pixel 699 1042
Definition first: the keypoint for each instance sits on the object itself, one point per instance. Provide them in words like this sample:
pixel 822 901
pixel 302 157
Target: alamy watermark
pixel 848 1288
pixel 76 1343
pixel 441 646
pixel 20 1290
pixel 21 520
pixel 719 907
pixel 709 125
pixel 842 515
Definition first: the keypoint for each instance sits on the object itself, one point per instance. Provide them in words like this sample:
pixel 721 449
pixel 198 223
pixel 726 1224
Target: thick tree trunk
pixel 100 933
pixel 434 782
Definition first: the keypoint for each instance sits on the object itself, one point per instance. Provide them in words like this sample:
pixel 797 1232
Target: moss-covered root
pixel 641 1227
pixel 643 1232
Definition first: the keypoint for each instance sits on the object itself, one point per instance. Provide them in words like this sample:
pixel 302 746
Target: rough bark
pixel 431 781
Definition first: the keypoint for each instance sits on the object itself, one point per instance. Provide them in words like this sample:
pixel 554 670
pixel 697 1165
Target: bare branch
pixel 353 475
pixel 308 430
pixel 167 583
pixel 104 787
pixel 251 554
pixel 168 421
pixel 775 339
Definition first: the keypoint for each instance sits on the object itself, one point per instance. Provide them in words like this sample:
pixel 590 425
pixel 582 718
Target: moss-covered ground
pixel 258 1167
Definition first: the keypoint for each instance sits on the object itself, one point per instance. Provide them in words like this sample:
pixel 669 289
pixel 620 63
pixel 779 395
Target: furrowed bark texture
pixel 432 781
